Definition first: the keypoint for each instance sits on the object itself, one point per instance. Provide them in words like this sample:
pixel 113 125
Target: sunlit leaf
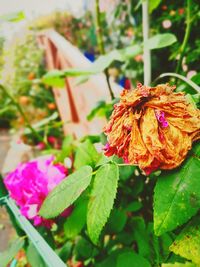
pixel 187 244
pixel 160 40
pixel 177 196
pixel 86 154
pixel 153 4
pixel 63 195
pixel 12 17
pixel 102 199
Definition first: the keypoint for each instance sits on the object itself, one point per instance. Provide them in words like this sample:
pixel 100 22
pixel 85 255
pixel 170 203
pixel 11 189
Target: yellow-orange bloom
pixel 152 127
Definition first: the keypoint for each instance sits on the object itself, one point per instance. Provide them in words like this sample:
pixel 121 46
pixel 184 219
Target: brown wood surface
pixel 74 101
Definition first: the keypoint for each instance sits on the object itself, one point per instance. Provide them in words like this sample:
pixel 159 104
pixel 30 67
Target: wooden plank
pixel 79 99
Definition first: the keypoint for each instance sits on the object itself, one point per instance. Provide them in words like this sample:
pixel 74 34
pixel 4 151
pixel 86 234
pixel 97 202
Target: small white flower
pixel 68 163
pixel 166 24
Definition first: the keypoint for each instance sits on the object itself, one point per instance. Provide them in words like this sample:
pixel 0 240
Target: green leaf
pixel 67 148
pixel 153 4
pixel 178 264
pixel 33 257
pixel 117 221
pixel 54 78
pixel 177 196
pixel 101 110
pixel 187 244
pixel 103 160
pixel 102 199
pixel 196 149
pixel 125 172
pixel 3 191
pixel 65 251
pixel 131 259
pixel 66 192
pixel 160 41
pixel 134 206
pixel 141 236
pixel 196 78
pixel 8 255
pixel 111 260
pixel 76 221
pixel 84 249
pixel 12 17
pixel 86 154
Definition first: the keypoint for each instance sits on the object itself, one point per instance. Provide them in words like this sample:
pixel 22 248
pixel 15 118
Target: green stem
pixel 146 51
pixel 19 108
pixel 101 44
pixel 186 37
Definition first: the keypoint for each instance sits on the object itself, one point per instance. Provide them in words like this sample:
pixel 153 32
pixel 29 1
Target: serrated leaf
pixel 86 154
pixel 187 244
pixel 76 221
pixel 102 199
pixel 160 40
pixel 66 192
pixel 8 255
pixel 177 196
pixel 131 259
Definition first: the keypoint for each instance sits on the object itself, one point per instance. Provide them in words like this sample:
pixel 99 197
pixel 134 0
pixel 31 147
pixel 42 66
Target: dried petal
pixel 152 127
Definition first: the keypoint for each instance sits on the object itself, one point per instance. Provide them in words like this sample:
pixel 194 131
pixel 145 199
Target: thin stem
pixel 101 44
pixel 146 52
pixel 186 80
pixel 186 37
pixel 38 137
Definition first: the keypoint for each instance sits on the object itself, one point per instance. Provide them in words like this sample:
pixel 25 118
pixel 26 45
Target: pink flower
pixel 41 146
pixel 31 182
pixel 52 139
pixel 160 115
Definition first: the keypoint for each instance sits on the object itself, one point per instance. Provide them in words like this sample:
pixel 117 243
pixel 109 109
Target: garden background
pixel 79 199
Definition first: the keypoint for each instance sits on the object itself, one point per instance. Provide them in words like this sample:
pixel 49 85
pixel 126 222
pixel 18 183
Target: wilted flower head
pixel 152 127
pixel 30 183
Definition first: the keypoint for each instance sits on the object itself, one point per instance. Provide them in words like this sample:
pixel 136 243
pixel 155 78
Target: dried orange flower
pixel 152 127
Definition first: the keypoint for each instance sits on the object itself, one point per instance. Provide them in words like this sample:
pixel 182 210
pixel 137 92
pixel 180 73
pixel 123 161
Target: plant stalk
pixel 19 108
pixel 186 37
pixel 146 51
pixel 101 44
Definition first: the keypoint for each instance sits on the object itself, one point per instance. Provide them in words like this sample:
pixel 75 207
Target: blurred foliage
pixel 123 234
